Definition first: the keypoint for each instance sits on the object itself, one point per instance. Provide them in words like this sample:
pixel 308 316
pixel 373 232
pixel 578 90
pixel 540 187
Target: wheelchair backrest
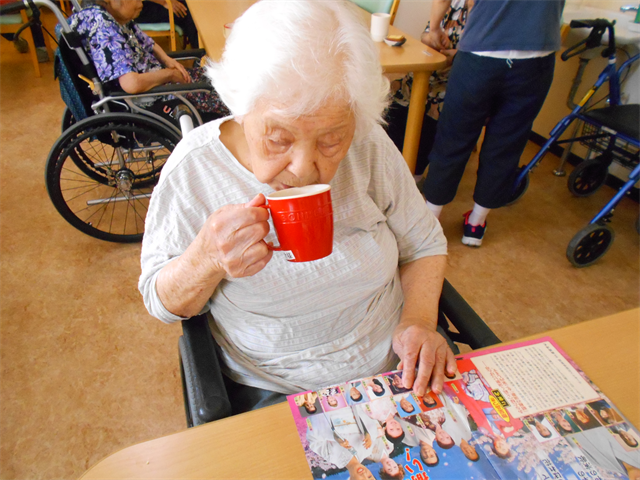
pixel 76 93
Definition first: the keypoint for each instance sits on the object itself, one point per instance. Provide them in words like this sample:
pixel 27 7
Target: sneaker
pixel 473 233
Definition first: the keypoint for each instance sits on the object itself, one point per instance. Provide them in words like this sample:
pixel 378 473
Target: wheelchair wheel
pixel 520 189
pixel 589 244
pixel 588 177
pixel 100 173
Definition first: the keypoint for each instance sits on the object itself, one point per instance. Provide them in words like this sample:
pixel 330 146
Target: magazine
pixel 523 411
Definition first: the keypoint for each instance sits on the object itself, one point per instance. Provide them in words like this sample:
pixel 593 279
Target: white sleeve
pixel 321 441
pixel 417 230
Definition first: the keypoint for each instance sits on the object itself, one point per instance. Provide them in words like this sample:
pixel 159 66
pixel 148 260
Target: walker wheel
pixel 588 177
pixel 589 244
pixel 521 188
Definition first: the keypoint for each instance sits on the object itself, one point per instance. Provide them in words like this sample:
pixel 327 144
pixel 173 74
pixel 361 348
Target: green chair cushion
pixel 10 19
pixel 159 27
pixel 375 6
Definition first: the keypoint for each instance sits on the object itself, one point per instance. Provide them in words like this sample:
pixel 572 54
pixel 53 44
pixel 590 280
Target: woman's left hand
pixel 173 63
pixel 419 346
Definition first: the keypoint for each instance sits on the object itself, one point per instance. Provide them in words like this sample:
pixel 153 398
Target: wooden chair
pixel 164 29
pixel 11 24
pixel 379 6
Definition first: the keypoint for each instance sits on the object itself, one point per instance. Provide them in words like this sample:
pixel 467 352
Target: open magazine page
pixel 524 411
pixel 540 417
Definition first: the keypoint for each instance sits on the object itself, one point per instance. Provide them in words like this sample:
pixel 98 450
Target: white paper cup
pixel 379 26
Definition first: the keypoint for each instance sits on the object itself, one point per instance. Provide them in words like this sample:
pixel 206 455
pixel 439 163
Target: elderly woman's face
pixel 124 10
pixel 289 152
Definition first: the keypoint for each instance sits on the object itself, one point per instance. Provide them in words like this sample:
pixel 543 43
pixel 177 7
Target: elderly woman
pixel 305 86
pixel 125 57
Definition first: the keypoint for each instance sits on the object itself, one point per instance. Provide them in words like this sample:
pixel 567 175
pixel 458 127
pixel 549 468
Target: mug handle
pixel 271 247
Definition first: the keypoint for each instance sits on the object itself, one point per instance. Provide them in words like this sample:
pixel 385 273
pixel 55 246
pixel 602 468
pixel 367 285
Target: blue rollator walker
pixel 613 131
pixel 101 172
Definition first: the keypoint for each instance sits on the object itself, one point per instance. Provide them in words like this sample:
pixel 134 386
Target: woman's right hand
pixel 178 8
pixel 436 38
pixel 231 242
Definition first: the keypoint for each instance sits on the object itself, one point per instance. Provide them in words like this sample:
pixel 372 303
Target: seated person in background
pixel 127 58
pixel 454 17
pixel 305 86
pixel 156 11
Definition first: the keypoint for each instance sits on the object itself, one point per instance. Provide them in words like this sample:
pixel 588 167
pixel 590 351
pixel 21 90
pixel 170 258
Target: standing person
pixel 500 77
pixel 155 11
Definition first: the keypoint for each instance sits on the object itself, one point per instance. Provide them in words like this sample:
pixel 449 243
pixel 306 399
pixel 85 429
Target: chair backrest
pixel 163 29
pixel 379 6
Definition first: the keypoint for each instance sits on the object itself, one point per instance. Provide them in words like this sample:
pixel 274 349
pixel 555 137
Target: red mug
pixel 303 219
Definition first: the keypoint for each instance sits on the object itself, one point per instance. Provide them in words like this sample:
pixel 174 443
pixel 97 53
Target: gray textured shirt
pixel 298 326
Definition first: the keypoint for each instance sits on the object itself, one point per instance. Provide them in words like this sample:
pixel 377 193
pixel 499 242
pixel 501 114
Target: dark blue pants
pixel 506 96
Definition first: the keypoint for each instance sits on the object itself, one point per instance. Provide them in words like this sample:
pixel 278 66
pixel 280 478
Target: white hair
pixel 296 55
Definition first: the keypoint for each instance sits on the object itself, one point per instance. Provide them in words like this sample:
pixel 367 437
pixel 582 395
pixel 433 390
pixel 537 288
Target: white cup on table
pixel 379 26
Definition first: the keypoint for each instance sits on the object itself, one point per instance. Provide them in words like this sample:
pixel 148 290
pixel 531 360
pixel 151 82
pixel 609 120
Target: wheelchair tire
pixel 92 189
pixel 589 244
pixel 587 178
pixel 520 189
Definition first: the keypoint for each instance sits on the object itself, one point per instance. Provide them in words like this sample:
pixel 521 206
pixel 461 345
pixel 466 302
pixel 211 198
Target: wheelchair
pixel 613 132
pixel 206 398
pixel 102 170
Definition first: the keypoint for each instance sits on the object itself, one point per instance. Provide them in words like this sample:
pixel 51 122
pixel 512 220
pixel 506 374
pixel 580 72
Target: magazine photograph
pixel 523 411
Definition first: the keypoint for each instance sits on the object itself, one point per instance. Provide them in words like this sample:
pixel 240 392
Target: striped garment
pixel 298 326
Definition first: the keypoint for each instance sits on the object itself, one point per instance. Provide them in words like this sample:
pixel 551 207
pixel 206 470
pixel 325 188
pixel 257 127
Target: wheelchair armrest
pixel 202 373
pixel 472 329
pixel 186 54
pixel 165 89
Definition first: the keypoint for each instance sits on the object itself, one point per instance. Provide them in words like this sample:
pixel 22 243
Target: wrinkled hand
pixel 437 39
pixel 418 346
pixel 232 239
pixel 179 9
pixel 181 74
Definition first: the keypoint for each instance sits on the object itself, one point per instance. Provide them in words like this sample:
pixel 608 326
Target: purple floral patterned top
pixel 115 49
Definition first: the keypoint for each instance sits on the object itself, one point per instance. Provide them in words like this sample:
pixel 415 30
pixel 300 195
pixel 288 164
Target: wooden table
pixel 210 17
pixel 264 443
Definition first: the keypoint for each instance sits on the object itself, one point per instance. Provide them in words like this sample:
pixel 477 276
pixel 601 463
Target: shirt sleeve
pixel 145 40
pixel 417 231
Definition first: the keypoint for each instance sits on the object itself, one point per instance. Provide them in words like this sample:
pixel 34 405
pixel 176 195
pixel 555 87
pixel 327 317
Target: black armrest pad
pixel 472 328
pixel 211 400
pixel 191 53
pixel 165 89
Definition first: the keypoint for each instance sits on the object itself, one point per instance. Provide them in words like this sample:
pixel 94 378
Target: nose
pixel 303 162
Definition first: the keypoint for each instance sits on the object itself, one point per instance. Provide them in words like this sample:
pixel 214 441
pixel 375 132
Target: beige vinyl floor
pixel 85 371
